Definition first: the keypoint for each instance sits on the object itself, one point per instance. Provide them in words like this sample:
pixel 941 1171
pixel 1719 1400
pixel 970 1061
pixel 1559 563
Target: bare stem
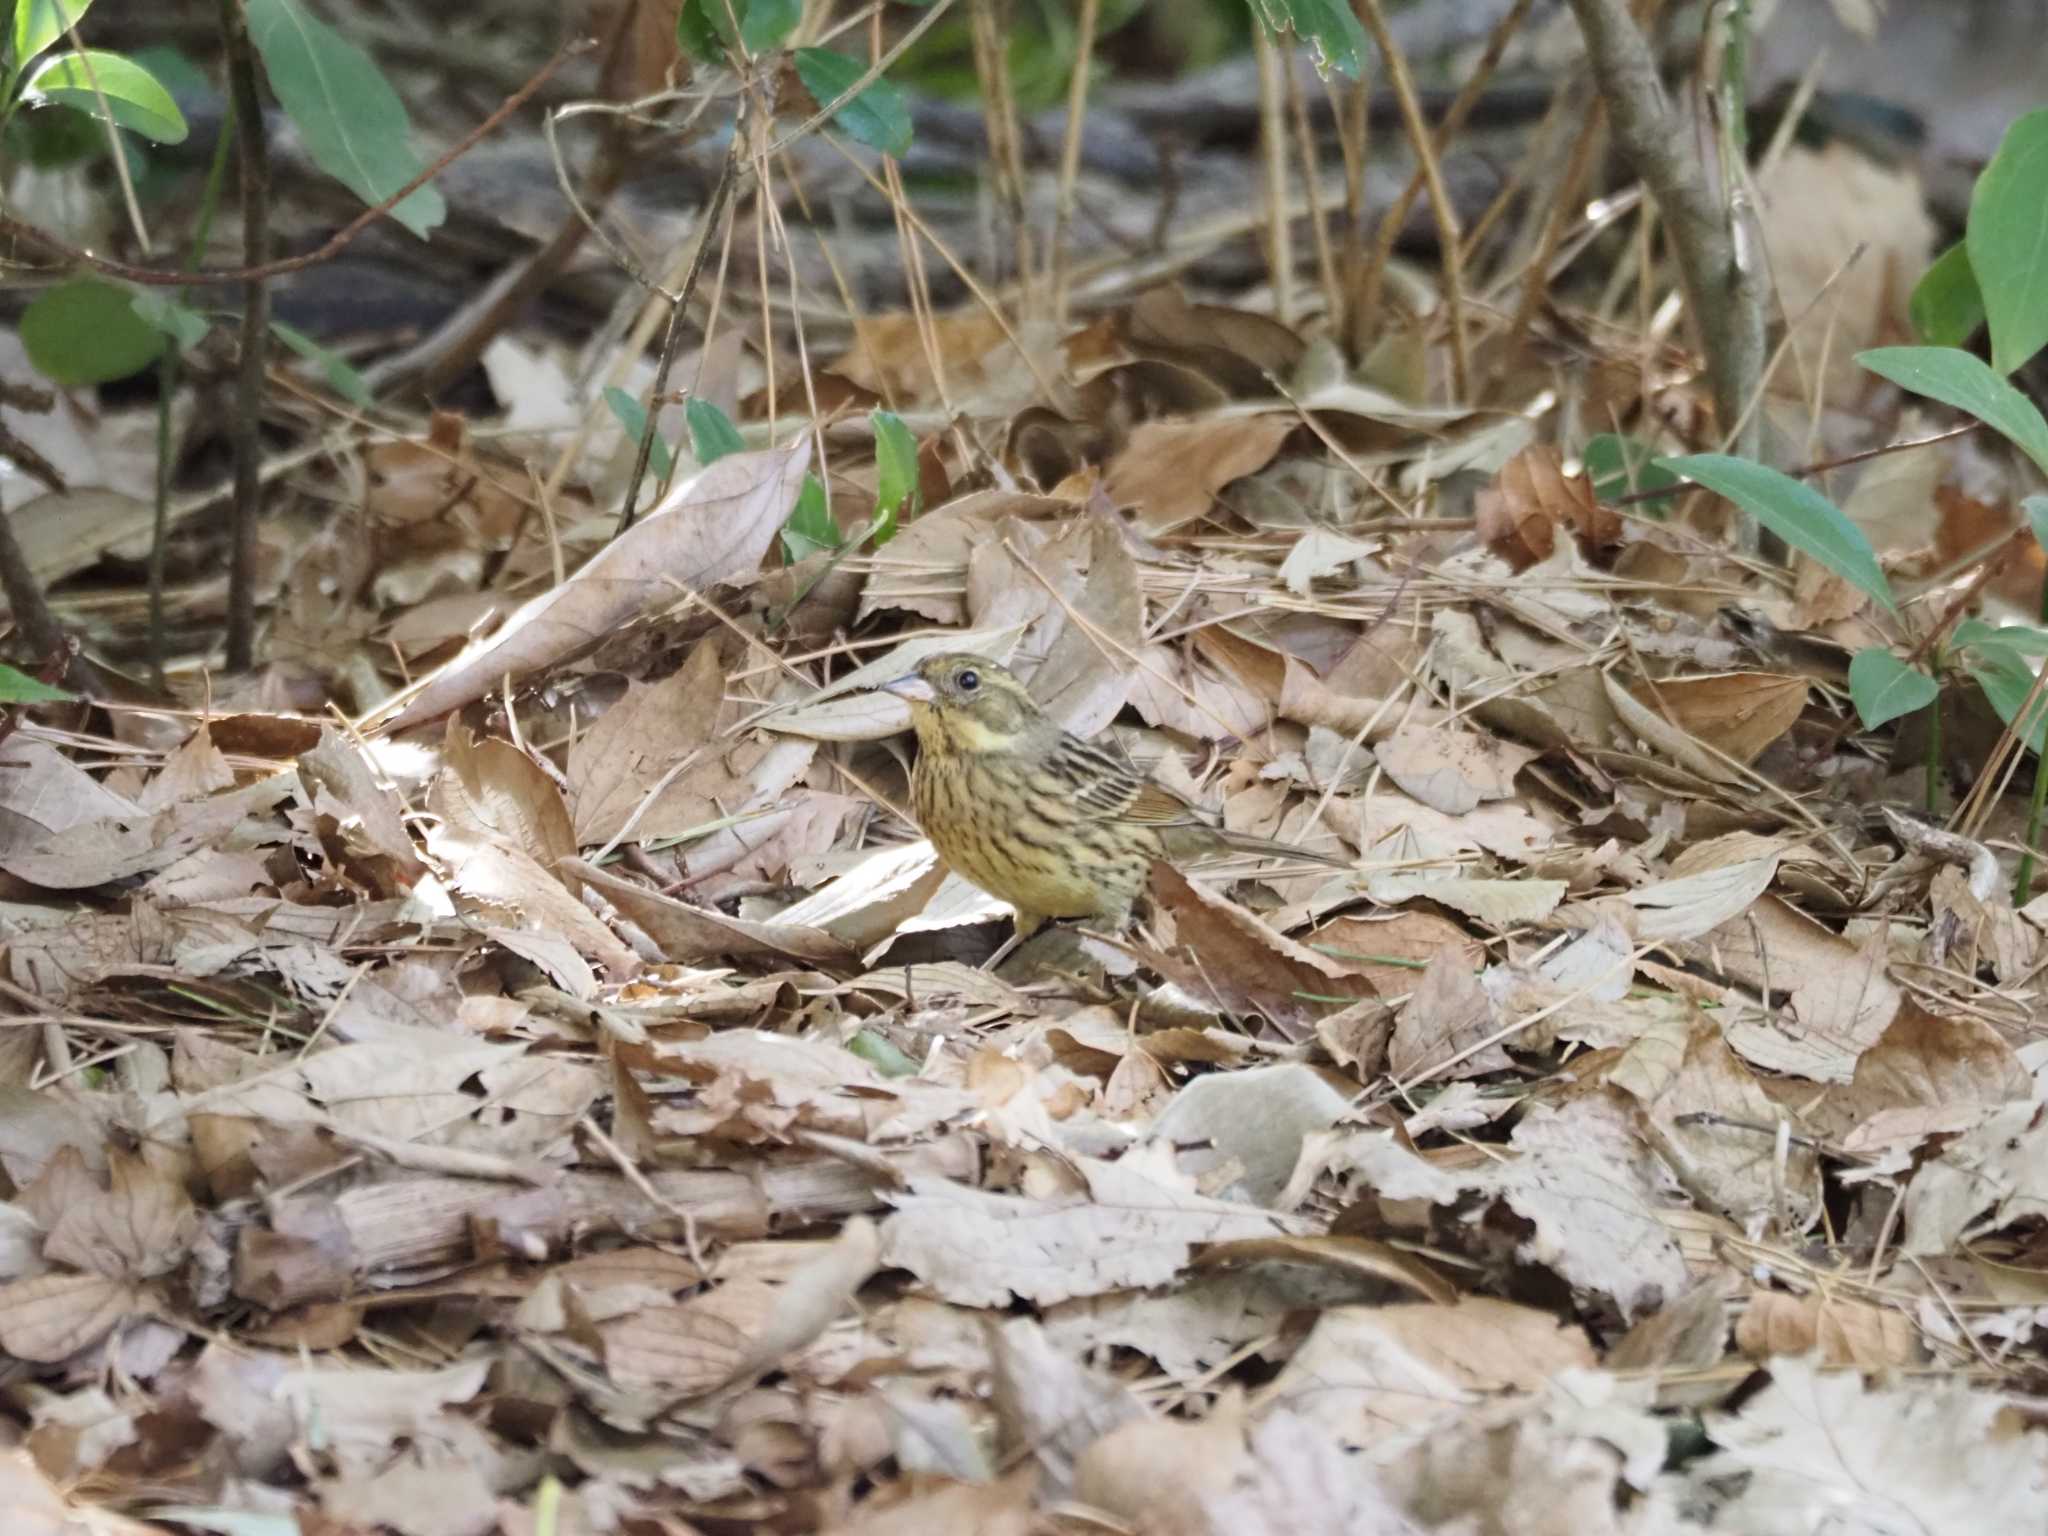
pixel 1723 287
pixel 245 432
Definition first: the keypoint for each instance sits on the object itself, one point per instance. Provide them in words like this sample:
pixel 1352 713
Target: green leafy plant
pixel 17 687
pixel 1330 28
pixel 1993 278
pixel 877 115
pixel 632 415
pixel 354 126
pixel 896 487
pixel 109 86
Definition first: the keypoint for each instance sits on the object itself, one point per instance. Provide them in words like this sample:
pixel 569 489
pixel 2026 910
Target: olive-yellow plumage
pixel 1038 817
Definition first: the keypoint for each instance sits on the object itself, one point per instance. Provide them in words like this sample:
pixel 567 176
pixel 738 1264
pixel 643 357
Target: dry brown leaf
pixel 52 1317
pixel 688 934
pixel 1131 1230
pixel 1380 1371
pixel 1589 1190
pixel 1451 769
pixel 1172 471
pixel 713 527
pixel 1392 950
pixel 1689 1335
pixel 1520 513
pixel 367 816
pixel 1927 1074
pixel 891 357
pixel 1835 1018
pixel 1729 1158
pixel 1448 1014
pixel 1741 713
pixel 1224 953
pixel 1844 1331
pixel 1000 1508
pixel 1086 676
pixel 140 1228
pixel 121 846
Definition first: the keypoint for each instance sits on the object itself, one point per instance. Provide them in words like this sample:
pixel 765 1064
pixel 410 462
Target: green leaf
pixel 352 121
pixel 134 98
pixel 2019 639
pixel 1329 27
pixel 17 687
pixel 2036 509
pixel 882 1054
pixel 712 434
pixel 2006 681
pixel 1966 382
pixel 55 138
pixel 633 417
pixel 341 378
pixel 177 73
pixel 1946 306
pixel 1626 466
pixel 896 487
pixel 699 33
pixel 87 332
pixel 187 327
pixel 1885 688
pixel 39 23
pixel 1795 512
pixel 2008 234
pixel 766 23
pixel 810 528
pixel 877 117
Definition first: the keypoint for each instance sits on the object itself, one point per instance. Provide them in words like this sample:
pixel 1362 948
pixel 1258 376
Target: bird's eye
pixel 969 681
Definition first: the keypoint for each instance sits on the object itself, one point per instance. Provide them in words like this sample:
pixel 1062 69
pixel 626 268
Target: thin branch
pixel 714 213
pixel 1367 285
pixel 156 277
pixel 1723 288
pixel 245 431
pixel 32 614
pixel 1070 156
pixel 1449 236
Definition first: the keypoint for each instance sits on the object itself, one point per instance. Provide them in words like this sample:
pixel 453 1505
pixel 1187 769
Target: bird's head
pixel 964 703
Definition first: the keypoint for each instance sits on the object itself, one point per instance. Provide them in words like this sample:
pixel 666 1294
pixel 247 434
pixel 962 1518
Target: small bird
pixel 1040 818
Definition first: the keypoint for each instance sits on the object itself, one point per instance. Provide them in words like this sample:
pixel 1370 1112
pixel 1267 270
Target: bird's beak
pixel 912 687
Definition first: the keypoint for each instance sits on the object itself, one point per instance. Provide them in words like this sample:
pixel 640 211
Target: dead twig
pixel 245 430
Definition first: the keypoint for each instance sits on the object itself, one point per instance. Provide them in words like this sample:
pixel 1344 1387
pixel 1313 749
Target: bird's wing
pixel 1107 790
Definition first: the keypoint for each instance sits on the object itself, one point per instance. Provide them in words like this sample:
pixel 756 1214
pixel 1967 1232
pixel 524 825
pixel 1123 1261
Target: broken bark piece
pixel 386 1233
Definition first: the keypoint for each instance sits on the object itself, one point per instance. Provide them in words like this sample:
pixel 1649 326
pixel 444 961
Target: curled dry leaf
pixel 1225 954
pixel 713 527
pixel 1520 513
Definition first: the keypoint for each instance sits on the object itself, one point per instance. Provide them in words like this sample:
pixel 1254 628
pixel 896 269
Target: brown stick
pixel 1368 285
pixel 402 1224
pixel 32 614
pixel 1723 287
pixel 245 432
pixel 1449 236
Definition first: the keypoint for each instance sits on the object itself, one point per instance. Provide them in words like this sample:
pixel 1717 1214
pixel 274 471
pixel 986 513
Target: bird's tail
pixel 1243 842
